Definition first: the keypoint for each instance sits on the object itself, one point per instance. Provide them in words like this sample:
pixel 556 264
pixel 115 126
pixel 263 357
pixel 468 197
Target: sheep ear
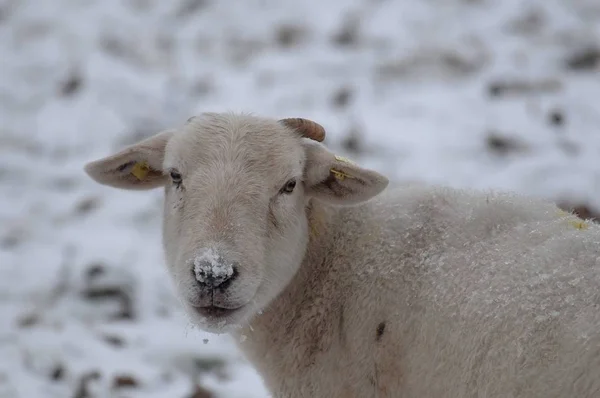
pixel 137 167
pixel 337 180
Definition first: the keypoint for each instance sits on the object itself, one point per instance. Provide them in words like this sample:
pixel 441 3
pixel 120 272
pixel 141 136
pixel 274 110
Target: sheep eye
pixel 289 186
pixel 176 177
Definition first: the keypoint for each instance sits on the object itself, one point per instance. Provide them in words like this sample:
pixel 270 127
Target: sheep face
pixel 235 228
pixel 234 224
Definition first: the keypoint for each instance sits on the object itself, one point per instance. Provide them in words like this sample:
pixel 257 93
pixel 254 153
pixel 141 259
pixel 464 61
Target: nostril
pixel 214 273
pixel 225 284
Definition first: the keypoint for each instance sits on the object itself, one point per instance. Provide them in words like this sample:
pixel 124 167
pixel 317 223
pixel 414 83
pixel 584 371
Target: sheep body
pixel 431 292
pixel 345 289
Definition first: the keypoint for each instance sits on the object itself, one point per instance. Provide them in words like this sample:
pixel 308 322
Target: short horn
pixel 307 128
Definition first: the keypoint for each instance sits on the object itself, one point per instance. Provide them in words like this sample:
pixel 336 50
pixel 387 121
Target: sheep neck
pixel 272 329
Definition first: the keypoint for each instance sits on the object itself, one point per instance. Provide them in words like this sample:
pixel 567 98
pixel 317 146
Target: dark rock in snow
pixel 585 59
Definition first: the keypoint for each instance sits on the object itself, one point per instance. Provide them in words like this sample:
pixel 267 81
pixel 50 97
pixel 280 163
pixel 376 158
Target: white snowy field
pixel 501 94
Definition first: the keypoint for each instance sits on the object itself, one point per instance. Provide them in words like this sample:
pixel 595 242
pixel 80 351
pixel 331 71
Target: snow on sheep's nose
pixel 212 270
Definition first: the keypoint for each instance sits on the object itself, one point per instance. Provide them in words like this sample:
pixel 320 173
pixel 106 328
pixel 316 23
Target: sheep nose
pixel 213 271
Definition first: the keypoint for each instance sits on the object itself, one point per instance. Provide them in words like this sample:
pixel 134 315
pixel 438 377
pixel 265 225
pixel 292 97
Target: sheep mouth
pixel 215 312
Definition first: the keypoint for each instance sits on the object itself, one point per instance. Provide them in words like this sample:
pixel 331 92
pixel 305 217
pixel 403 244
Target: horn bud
pixel 307 128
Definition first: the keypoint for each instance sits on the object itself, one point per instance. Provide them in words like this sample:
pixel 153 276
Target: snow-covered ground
pixel 475 93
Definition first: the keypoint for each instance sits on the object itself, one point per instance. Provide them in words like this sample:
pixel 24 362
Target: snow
pixel 209 265
pixel 459 92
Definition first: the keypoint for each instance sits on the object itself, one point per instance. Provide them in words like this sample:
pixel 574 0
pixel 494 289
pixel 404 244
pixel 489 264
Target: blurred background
pixel 486 94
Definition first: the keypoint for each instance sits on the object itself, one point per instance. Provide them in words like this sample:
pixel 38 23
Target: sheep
pixel 336 283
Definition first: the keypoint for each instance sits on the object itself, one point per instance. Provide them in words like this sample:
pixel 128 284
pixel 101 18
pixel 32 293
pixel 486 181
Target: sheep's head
pixel 235 227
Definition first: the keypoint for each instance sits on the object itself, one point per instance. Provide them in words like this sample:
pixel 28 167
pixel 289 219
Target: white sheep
pixel 337 287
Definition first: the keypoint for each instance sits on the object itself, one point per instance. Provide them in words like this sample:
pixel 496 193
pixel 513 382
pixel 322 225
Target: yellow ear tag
pixel 343 159
pixel 140 170
pixel 340 175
